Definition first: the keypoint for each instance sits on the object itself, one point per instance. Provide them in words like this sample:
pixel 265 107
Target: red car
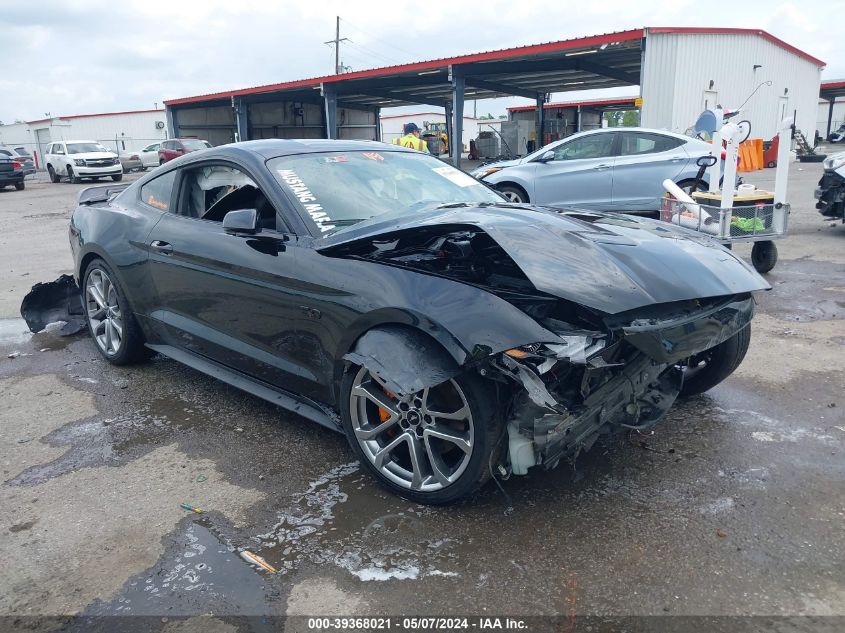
pixel 176 147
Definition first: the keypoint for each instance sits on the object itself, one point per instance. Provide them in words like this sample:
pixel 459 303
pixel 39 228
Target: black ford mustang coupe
pixel 385 294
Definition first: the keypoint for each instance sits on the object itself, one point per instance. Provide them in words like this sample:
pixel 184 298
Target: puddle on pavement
pixel 14 332
pixel 332 523
pixel 112 441
pixel 199 573
pixel 805 290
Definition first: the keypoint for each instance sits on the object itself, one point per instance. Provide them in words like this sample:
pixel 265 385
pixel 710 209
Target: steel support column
pixel 330 107
pixel 830 116
pixel 540 119
pixel 456 137
pixel 377 120
pixel 578 119
pixel 448 112
pixel 241 110
pixel 172 122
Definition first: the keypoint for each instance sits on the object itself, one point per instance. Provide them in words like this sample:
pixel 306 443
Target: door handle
pixel 676 158
pixel 602 166
pixel 161 247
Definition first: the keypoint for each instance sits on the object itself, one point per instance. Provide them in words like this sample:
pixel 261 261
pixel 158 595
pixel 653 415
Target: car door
pixel 644 161
pixel 230 297
pixel 579 174
pixel 59 159
pixel 149 155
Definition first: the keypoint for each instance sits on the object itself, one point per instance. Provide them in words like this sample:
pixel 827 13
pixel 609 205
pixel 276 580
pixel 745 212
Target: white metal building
pixel 116 130
pixel 686 70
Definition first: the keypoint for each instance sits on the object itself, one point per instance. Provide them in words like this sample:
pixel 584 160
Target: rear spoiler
pixel 100 193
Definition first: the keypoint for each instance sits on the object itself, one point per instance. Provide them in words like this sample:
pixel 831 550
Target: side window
pixel 50 148
pixel 165 145
pixel 6 152
pixel 591 146
pixel 159 191
pixel 58 149
pixel 151 148
pixel 634 143
pixel 209 192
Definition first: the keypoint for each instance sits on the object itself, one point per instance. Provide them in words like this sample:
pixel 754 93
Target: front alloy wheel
pixel 104 314
pixel 431 446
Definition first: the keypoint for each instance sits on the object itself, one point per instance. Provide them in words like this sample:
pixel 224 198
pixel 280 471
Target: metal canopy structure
pixel 601 61
pixel 586 63
pixel 830 91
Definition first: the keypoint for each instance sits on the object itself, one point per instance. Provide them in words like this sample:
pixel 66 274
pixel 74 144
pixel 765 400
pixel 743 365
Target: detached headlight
pixel 483 172
pixel 834 162
pixel 79 162
pixel 576 348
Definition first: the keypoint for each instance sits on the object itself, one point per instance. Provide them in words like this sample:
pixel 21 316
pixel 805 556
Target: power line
pixel 385 42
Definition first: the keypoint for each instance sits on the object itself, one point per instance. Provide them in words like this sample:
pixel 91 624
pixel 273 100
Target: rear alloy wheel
pixel 432 446
pixel 514 194
pixel 710 367
pixel 110 323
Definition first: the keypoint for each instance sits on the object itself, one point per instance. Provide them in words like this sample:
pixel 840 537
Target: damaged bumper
pixel 627 381
pixel 54 301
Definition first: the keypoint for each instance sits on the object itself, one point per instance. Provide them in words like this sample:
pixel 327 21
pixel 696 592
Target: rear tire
pixel 714 365
pixel 482 428
pixel 111 324
pixel 54 177
pixel 764 256
pixel 686 185
pixel 516 195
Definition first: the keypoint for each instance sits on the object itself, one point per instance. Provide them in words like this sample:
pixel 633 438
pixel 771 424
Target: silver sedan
pixel 612 169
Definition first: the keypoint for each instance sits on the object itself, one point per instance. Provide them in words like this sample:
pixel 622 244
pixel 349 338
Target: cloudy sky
pixel 90 56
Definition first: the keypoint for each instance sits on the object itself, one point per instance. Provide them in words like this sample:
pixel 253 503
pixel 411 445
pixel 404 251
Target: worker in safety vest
pixel 412 138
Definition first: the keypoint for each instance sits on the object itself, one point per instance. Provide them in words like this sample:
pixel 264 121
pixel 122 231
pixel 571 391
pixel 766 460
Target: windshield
pixel 340 189
pixel 84 148
pixel 195 144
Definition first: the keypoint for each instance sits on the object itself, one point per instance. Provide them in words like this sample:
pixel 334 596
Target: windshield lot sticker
pixel 458 177
pixel 372 155
pixel 335 159
pixel 306 199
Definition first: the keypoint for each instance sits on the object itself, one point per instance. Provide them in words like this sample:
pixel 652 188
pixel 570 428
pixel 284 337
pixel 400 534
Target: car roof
pixel 271 148
pixel 84 140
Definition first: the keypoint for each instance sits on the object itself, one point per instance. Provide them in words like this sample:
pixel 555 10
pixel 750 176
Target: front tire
pixel 20 186
pixel 110 322
pixel 514 194
pixel 72 178
pixel 431 447
pixel 117 177
pixel 707 369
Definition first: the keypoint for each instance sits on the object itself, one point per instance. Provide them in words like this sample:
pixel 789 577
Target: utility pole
pixel 338 68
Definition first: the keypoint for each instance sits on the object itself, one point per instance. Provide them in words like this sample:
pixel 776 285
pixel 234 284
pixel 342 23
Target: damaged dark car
pixel 449 334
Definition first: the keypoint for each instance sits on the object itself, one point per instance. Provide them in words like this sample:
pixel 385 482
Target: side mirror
pixel 241 221
pixel 547 157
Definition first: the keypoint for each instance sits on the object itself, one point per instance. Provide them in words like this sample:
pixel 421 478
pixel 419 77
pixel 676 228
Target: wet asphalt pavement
pixel 734 506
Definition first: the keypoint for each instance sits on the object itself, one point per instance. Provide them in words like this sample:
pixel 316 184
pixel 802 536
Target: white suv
pixel 81 159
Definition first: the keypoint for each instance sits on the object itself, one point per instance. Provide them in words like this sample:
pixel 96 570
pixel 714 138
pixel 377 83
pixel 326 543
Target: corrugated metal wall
pixel 679 67
pixel 121 131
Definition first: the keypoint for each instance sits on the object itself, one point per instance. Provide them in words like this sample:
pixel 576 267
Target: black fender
pixel 406 359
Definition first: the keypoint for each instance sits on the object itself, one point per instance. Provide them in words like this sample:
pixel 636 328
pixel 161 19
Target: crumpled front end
pixel 567 396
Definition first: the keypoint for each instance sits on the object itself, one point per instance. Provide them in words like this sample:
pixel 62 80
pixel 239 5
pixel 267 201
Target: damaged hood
pixel 608 262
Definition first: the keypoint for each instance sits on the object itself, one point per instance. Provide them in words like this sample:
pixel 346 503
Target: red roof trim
pixel 84 116
pixel 411 115
pixel 832 85
pixel 574 104
pixel 732 31
pixel 503 54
